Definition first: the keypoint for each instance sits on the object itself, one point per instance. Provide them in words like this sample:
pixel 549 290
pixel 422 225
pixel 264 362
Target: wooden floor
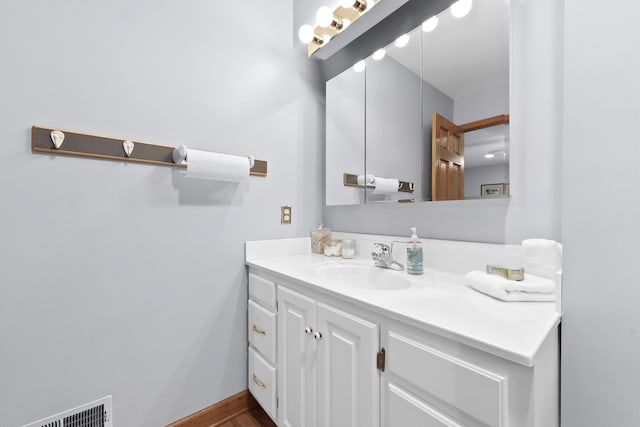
pixel 256 417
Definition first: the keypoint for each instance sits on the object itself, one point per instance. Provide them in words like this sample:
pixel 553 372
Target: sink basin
pixel 363 276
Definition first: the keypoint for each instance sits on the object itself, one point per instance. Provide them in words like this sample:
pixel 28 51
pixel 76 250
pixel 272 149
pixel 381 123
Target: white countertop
pixel 436 301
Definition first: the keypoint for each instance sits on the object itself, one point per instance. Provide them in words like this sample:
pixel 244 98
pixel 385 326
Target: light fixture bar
pixel 341 17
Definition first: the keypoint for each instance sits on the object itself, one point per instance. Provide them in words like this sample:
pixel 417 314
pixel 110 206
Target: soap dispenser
pixel 414 254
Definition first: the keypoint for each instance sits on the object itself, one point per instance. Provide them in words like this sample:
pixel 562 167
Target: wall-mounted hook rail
pixel 60 141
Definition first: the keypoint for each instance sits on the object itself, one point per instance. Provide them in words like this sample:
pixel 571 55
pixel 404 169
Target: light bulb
pixel 379 54
pixel 305 33
pixel 324 17
pixel 402 41
pixel 461 8
pixel 430 24
pixel 489 156
pixel 359 66
pixel 360 5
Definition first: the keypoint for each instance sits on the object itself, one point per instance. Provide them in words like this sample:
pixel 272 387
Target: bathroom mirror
pixel 380 115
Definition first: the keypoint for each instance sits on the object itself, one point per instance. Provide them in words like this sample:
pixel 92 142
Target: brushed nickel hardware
pixel 258 330
pixel 259 383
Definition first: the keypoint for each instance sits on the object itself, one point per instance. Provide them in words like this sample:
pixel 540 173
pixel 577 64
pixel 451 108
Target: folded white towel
pixel 541 257
pixel 532 288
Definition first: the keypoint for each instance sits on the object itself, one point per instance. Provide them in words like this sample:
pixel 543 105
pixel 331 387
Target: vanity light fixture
pixel 307 35
pixel 402 41
pixel 359 66
pixel 359 5
pixel 379 54
pixel 461 8
pixel 325 19
pixel 329 23
pixel 430 24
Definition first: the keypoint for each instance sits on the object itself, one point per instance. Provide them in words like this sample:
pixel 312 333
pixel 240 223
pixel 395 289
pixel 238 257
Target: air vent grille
pixel 94 414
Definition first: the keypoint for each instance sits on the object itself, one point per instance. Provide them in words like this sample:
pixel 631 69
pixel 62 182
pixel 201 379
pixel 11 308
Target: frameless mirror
pixel 425 118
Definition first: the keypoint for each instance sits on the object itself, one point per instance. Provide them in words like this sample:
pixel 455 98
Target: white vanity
pixel 336 342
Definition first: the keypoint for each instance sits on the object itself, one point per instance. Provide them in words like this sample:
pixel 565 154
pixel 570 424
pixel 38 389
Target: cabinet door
pixel 296 359
pixel 348 379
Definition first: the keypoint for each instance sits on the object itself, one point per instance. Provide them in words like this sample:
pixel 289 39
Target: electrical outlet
pixel 285 214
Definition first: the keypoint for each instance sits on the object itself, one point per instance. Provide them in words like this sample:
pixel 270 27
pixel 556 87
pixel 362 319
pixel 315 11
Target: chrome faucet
pixel 384 258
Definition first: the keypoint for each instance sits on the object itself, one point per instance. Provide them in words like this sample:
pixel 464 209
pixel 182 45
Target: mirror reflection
pixel 433 107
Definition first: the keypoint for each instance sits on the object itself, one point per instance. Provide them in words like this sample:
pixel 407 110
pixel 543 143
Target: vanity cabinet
pixel 327 364
pixel 433 381
pixel 338 363
pixel 262 342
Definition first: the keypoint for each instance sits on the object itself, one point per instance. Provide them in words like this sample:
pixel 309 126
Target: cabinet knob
pixel 259 331
pixel 308 330
pixel 317 336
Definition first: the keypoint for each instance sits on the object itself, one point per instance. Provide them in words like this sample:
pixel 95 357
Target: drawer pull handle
pixel 258 330
pixel 258 382
pixel 308 330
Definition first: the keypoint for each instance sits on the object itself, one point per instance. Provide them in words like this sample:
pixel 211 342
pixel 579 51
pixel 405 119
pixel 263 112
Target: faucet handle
pixel 384 248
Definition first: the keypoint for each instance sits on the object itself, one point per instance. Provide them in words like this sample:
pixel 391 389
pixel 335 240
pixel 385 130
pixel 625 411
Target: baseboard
pixel 220 412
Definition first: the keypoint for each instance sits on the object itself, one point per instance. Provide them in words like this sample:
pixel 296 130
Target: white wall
pixel 601 227
pixel 126 279
pixel 534 209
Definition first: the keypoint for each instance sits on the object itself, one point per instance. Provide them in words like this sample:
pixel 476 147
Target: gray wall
pixel 393 125
pixel 475 177
pixel 345 119
pixel 534 210
pixel 126 279
pixel 601 227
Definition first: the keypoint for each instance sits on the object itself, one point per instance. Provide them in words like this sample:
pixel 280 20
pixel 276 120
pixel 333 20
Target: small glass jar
pixel 348 248
pixel 319 237
pixel 333 248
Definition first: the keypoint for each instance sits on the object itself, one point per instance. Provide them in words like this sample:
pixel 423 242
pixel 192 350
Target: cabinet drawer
pixel 262 331
pixel 262 382
pixel 467 387
pixel 262 290
pixel 404 409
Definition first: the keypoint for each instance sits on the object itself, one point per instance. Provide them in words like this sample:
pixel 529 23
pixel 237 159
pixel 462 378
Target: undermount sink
pixel 363 276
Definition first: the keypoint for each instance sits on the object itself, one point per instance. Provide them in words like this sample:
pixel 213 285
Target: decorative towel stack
pixel 542 260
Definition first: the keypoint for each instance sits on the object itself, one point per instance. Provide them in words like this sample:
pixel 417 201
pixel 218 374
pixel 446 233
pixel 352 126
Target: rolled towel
pixel 532 288
pixel 541 257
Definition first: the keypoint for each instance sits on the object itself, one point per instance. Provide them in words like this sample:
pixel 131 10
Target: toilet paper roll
pixel 386 185
pixel 216 166
pixel 365 179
